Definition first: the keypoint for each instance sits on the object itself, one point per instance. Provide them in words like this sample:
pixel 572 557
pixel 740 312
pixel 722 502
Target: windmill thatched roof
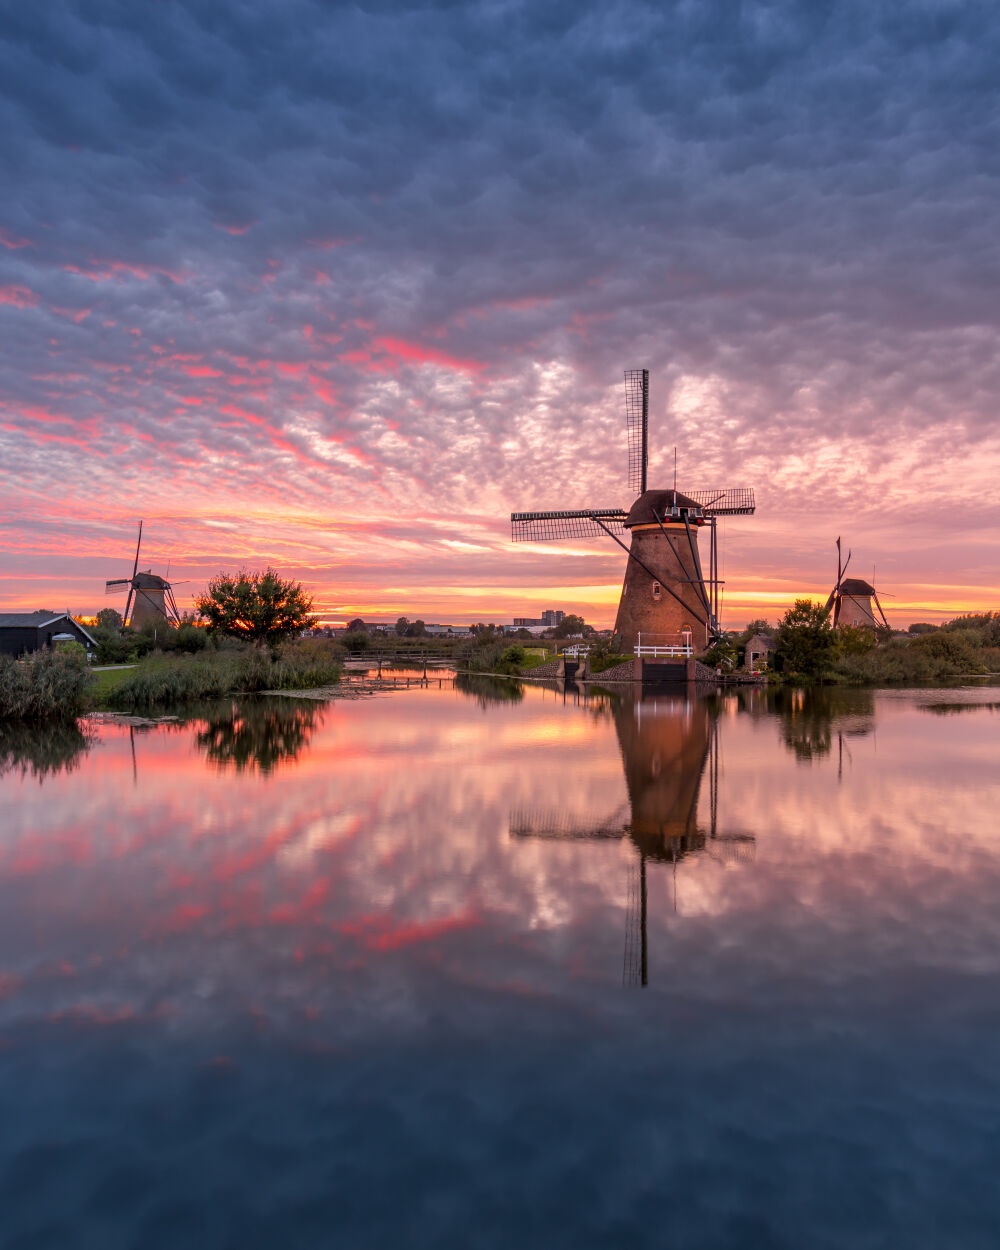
pixel 658 503
pixel 857 587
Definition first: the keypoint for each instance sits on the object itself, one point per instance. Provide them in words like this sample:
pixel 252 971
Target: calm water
pixel 371 974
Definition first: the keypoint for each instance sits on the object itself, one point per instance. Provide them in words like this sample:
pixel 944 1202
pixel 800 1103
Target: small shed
pixel 758 652
pixel 21 632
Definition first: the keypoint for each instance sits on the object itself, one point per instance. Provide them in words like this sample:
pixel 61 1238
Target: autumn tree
pixel 257 607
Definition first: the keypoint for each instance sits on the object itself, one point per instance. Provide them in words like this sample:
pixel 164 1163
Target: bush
pixel 357 640
pixel 306 663
pixel 45 686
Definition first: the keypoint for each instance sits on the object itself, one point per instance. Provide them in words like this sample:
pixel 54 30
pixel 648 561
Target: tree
pixel 109 619
pixel 569 626
pixel 357 626
pixel 402 625
pixel 806 643
pixel 257 607
pixel 757 626
pixel 417 630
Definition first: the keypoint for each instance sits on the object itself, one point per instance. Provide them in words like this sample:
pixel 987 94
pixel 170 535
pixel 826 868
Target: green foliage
pixel 806 644
pixel 178 680
pixel 721 655
pixel 985 624
pixel 922 627
pixel 856 640
pixel 417 630
pixel 757 626
pixel 357 640
pixel 109 619
pixel 254 606
pixel 121 648
pixel 45 686
pixel 402 625
pixel 569 626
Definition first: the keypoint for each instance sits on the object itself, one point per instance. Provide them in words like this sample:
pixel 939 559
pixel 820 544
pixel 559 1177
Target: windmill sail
pixel 541 527
pixel 637 422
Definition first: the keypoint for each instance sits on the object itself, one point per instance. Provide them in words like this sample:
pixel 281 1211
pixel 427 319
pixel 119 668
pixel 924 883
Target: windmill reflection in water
pixel 669 743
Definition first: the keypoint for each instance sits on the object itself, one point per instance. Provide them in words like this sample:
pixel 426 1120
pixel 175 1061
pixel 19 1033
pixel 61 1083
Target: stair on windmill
pixel 668 609
pixel 851 599
pixel 150 597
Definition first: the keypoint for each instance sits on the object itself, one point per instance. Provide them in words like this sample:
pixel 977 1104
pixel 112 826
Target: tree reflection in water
pixel 256 735
pixel 488 690
pixel 42 750
pixel 808 718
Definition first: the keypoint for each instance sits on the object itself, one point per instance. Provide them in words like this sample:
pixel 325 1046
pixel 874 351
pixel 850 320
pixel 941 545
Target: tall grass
pixel 179 680
pixel 44 686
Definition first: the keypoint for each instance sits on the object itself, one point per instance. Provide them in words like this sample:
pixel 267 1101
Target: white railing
pixel 575 652
pixel 665 646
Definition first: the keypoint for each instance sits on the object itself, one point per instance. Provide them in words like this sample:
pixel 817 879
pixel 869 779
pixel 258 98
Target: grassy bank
pixel 163 681
pixel 53 686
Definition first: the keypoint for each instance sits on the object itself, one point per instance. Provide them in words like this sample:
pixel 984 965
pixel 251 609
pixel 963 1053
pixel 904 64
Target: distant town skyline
pixel 336 290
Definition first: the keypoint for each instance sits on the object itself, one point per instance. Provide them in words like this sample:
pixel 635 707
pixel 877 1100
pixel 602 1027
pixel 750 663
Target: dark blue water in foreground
pixel 371 974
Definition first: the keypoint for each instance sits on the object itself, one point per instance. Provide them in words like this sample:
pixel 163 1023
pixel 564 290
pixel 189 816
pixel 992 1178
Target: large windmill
pixel 150 598
pixel 665 595
pixel 851 599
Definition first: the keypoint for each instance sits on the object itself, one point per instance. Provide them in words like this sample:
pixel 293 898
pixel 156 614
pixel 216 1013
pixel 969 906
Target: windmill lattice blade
pixel 637 424
pixel 736 501
pixel 111 588
pixel 135 567
pixel 540 527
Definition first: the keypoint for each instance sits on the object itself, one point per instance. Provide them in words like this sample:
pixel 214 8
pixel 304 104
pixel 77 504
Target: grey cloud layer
pixel 796 203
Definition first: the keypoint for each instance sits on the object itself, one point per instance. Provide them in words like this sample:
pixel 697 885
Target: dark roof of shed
pixel 34 620
pixel 856 586
pixel 28 620
pixel 765 641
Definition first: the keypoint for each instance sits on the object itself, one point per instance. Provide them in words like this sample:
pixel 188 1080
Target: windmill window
pixel 656 590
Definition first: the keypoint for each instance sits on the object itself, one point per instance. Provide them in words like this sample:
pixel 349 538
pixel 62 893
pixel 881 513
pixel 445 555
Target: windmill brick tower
pixel 666 600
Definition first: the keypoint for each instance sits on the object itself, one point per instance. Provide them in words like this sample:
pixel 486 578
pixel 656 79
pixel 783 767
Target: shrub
pixel 45 686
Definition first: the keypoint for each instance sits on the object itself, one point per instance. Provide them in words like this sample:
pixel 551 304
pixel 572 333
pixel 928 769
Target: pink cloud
pixel 421 355
pixel 19 296
pixel 243 229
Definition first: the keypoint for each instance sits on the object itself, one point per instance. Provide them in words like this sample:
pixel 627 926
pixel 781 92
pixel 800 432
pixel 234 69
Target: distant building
pixel 21 632
pixel 758 652
pixel 550 617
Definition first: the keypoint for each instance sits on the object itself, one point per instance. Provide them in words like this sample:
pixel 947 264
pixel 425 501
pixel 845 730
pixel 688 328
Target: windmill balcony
pixel 664 646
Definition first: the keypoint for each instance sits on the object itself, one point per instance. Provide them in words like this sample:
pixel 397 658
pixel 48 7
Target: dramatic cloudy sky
pixel 338 286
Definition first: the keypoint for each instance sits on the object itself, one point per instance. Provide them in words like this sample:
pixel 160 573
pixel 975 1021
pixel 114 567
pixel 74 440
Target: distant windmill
pixel 665 592
pixel 150 598
pixel 851 599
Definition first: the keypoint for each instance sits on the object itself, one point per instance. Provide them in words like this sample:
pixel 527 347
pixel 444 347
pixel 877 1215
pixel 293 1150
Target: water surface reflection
pixel 296 974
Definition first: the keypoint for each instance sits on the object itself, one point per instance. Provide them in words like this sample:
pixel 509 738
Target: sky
pixel 337 287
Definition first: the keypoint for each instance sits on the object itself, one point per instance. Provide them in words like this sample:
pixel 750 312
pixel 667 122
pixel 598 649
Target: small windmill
pixel 665 591
pixel 150 598
pixel 851 599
